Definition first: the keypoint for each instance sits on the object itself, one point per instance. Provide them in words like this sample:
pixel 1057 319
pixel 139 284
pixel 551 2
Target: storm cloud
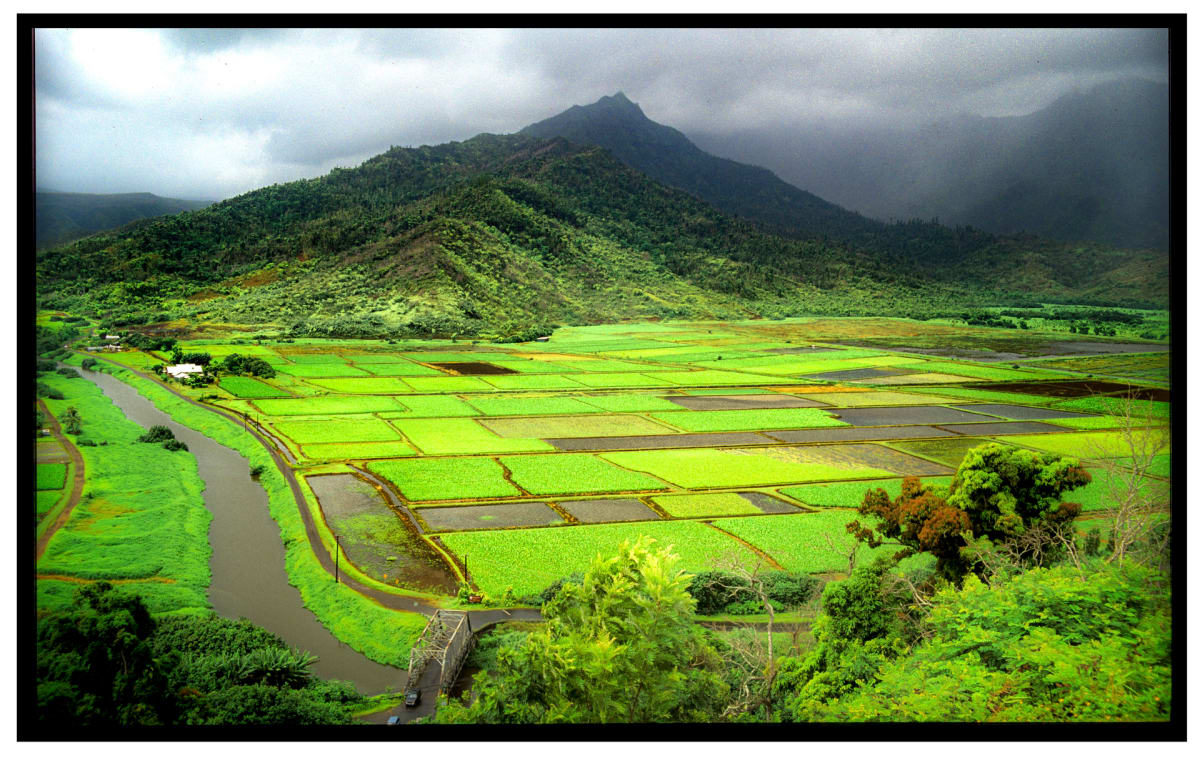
pixel 210 113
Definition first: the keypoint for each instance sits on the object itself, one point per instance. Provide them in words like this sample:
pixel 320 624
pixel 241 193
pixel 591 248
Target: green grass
pixel 456 478
pixel 629 403
pixel 336 430
pixel 602 365
pixel 748 420
pixel 459 436
pixel 249 388
pixel 1160 465
pixel 1096 496
pixel 382 634
pixel 574 474
pixel 529 560
pixel 375 359
pixel 431 406
pixel 798 541
pixel 142 514
pixel 46 500
pixel 327 405
pixel 317 358
pixel 51 475
pixel 501 404
pixel 575 426
pixel 983 395
pixel 364 385
pixel 694 468
pixel 320 371
pixel 449 383
pixel 360 449
pixel 705 505
pixel 850 493
pixel 532 366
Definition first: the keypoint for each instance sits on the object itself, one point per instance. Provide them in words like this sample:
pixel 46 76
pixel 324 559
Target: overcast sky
pixel 208 114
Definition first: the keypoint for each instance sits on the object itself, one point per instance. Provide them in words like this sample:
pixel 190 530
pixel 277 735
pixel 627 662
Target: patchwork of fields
pixel 518 463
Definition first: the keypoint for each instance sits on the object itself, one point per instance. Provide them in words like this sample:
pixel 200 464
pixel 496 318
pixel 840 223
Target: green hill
pixel 500 234
pixel 63 217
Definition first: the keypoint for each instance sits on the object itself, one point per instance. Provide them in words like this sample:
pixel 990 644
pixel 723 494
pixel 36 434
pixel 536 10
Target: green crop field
pixel 1138 408
pixel 328 370
pixel 850 493
pixel 806 542
pixel 382 385
pixel 985 372
pixel 46 500
pixel 1106 489
pixel 531 382
pixel 984 395
pixel 452 478
pixel 601 365
pixel 529 560
pixel 1100 422
pixel 459 436
pixel 949 452
pixel 358 450
pixel 501 404
pixel 336 430
pixel 715 378
pixel 51 475
pixel 619 380
pixel 574 474
pixel 748 420
pixel 876 398
pixel 327 405
pixel 629 403
pixel 249 388
pixel 401 368
pixel 1090 445
pixel 532 366
pixel 698 468
pixel 449 383
pixel 574 426
pixel 705 505
pixel 431 406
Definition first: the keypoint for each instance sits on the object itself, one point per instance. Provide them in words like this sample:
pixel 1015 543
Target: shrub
pixel 85 442
pixel 256 471
pixel 156 434
pixel 174 445
pixel 45 392
pixel 68 372
pixel 88 363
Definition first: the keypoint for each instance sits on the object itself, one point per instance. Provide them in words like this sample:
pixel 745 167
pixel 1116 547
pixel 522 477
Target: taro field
pixel 512 465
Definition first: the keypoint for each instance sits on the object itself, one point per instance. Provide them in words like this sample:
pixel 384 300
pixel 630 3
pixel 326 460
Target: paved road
pixel 77 485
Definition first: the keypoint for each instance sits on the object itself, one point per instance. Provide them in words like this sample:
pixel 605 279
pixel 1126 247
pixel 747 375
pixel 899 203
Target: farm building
pixel 183 371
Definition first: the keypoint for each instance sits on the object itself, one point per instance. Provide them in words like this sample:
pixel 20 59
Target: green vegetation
pixel 328 405
pixel 692 468
pixel 527 560
pixel 574 474
pixel 358 449
pixel 748 420
pixel 575 426
pixel 431 406
pixel 850 493
pixel 328 370
pixel 1139 408
pixel 522 405
pixel 705 505
pixel 364 385
pixel 51 475
pixel 104 661
pixel 629 402
pixel 249 388
pixel 457 478
pixel 457 436
pixel 532 381
pixel 336 430
pixel 1089 445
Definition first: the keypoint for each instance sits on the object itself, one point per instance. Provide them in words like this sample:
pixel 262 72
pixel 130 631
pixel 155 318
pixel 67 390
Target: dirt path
pixel 77 481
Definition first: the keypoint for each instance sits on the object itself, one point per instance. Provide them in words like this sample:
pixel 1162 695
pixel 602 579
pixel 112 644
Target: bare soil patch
pixel 906 416
pixel 1073 389
pixel 505 515
pixel 1020 412
pixel 822 435
pixel 600 443
pixel 1000 429
pixel 609 510
pixel 472 368
pixel 769 504
pixel 743 402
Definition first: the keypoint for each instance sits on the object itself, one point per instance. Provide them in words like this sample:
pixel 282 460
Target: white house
pixel 112 338
pixel 183 371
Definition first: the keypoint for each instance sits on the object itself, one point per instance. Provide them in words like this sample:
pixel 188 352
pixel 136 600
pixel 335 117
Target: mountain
pixel 63 217
pixel 1090 166
pixel 501 234
pixel 665 154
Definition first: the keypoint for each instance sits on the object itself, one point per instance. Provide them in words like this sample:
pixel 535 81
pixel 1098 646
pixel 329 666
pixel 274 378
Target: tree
pixel 1000 494
pixel 620 646
pixel 71 421
pixel 94 666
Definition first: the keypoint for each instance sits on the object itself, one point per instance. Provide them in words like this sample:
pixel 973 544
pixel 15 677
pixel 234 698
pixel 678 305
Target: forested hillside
pixel 500 234
pixel 63 217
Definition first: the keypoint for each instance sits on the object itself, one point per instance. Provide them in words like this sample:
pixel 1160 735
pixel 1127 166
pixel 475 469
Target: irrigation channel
pixel 248 575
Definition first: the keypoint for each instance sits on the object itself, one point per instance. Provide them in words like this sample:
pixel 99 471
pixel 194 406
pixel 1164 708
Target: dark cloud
pixel 213 112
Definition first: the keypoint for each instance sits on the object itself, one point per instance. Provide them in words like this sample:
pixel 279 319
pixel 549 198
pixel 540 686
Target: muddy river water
pixel 248 575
